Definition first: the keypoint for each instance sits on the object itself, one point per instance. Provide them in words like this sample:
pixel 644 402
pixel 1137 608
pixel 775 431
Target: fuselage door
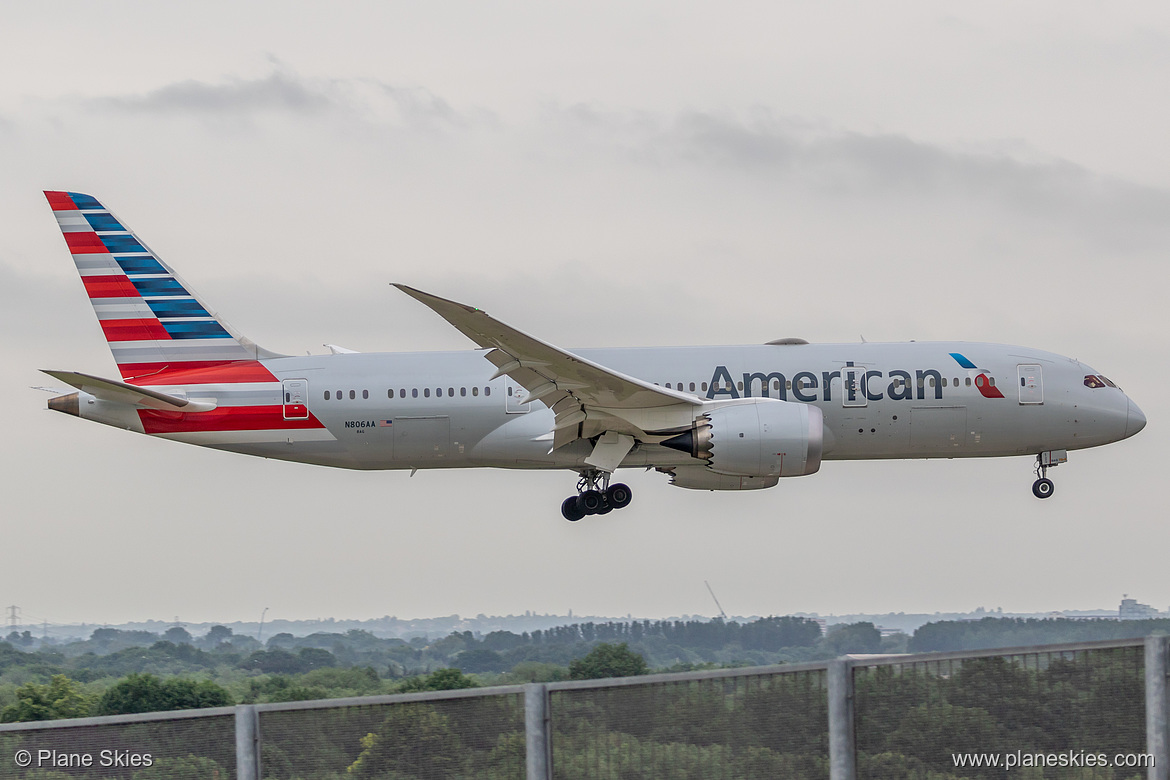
pixel 515 396
pixel 296 399
pixel 853 386
pixel 1031 383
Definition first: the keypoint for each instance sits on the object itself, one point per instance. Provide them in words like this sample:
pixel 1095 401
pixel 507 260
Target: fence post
pixel 1157 708
pixel 537 741
pixel 842 745
pixel 247 743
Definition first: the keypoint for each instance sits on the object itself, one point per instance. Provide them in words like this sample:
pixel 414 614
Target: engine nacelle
pixel 756 437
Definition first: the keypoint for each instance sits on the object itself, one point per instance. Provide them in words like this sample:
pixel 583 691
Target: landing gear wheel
pixel 1043 488
pixel 606 507
pixel 619 495
pixel 590 501
pixel 571 510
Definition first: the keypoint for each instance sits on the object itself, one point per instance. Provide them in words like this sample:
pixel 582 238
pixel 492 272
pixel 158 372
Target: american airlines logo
pixel 857 384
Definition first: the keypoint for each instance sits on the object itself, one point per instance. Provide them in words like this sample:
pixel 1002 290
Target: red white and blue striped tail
pixel 153 321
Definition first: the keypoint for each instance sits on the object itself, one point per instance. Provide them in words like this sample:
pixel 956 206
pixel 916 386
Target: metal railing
pixel 871 717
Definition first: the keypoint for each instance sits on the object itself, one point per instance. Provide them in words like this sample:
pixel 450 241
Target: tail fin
pixel 152 320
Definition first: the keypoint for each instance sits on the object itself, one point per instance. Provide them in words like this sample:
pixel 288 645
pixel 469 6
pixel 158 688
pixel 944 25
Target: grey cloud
pixel 278 91
pixel 820 160
pixel 366 100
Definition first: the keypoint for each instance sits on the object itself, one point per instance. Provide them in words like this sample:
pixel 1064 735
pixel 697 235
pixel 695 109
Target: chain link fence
pixel 721 727
pixel 912 717
pixel 874 718
pixel 199 744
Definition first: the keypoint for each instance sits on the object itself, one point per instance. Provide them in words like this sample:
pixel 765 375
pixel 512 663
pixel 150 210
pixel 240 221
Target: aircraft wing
pixel 588 398
pixel 120 392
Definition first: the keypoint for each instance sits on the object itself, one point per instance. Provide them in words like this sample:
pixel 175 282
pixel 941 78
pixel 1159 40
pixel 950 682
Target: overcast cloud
pixel 596 175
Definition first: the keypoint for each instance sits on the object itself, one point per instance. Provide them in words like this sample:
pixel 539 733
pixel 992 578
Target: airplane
pixel 709 417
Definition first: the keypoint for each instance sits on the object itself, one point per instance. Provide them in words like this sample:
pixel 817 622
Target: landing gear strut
pixel 595 496
pixel 1043 487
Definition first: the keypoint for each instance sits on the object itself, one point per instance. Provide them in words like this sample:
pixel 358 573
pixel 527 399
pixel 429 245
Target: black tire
pixel 571 510
pixel 619 495
pixel 590 501
pixel 606 507
pixel 1043 488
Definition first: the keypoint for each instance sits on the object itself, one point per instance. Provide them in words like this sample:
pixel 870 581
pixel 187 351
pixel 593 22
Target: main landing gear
pixel 595 496
pixel 1043 487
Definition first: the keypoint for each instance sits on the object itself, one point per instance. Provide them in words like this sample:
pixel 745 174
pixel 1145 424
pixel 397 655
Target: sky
pixel 601 174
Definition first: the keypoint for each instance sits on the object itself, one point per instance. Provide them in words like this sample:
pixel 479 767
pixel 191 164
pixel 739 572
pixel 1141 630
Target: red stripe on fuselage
pixel 84 243
pixel 227 418
pixel 60 201
pixel 109 286
pixel 134 330
pixel 196 372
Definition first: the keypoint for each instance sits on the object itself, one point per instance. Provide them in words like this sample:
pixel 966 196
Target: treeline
pixel 990 632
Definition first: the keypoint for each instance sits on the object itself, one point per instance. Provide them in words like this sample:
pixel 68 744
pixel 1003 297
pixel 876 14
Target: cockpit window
pixel 1105 379
pixel 1094 381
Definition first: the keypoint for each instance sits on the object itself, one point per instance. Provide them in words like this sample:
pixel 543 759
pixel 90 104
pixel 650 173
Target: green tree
pixel 606 660
pixel 854 638
pixel 414 742
pixel 147 693
pixel 439 680
pixel 60 698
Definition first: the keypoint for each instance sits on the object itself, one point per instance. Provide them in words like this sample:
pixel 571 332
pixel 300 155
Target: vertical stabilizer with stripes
pixel 153 321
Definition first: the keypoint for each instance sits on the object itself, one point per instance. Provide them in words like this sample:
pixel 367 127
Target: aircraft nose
pixel 1135 420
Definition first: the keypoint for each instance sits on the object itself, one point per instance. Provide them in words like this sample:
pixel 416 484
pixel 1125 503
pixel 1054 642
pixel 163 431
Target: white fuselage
pixel 444 409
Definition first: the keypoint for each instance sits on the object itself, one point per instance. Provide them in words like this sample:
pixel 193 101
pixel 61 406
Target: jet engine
pixel 756 437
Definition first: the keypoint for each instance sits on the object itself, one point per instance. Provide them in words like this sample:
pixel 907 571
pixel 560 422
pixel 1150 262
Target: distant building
pixel 1130 609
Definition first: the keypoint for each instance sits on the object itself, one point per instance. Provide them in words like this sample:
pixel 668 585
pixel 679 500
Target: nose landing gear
pixel 1043 487
pixel 595 496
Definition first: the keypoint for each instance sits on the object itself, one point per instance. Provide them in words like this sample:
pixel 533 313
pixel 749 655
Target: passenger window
pixel 509 391
pixel 487 391
pixel 968 381
pixel 668 387
pixel 1023 382
pixel 426 392
pixel 692 387
pixel 944 381
pixel 475 391
pixel 704 387
pixel 365 395
pixel 286 398
pixel 741 385
pixel 463 391
pixel 776 385
pixel 352 395
pixel 438 392
pixel 991 379
pixel 451 391
pixel 327 393
pixel 788 385
pixel 339 396
pixel 414 392
pixel 402 393
pixel 390 393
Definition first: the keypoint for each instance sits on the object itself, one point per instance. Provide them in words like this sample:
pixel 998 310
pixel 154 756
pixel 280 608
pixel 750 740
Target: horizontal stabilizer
pixel 122 393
